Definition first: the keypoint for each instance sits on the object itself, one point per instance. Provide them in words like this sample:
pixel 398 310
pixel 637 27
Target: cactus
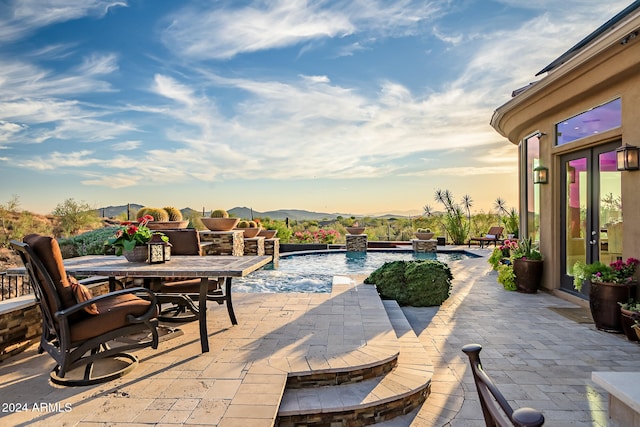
pixel 253 224
pixel 219 213
pixel 243 224
pixel 174 214
pixel 158 214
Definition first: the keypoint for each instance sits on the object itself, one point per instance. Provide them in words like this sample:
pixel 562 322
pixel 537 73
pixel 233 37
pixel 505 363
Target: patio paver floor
pixel 537 357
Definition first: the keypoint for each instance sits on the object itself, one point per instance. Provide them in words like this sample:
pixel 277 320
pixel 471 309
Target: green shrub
pixel 416 283
pixel 507 277
pixel 89 243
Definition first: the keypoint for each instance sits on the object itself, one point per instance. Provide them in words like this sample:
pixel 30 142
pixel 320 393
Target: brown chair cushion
pixel 48 251
pixel 113 315
pixel 184 241
pixel 191 286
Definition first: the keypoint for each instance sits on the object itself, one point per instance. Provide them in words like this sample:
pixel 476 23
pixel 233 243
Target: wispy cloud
pixel 222 33
pixel 19 18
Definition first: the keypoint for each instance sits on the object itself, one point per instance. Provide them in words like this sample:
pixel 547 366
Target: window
pixel 531 204
pixel 598 119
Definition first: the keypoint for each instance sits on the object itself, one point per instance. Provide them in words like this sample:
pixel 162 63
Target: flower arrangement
pixel 132 234
pixel 501 254
pixel 619 272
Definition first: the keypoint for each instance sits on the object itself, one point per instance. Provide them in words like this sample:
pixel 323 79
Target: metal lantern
pixel 158 249
pixel 627 158
pixel 540 175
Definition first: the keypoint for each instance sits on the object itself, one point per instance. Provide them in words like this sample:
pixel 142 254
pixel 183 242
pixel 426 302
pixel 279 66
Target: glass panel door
pixel 592 210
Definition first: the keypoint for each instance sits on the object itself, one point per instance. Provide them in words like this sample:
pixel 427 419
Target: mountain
pixel 248 213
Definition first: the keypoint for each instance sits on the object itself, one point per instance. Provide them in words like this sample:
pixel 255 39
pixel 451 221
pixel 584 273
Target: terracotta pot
pixel 627 322
pixel 528 275
pixel 355 230
pixel 603 302
pixel 138 254
pixel 250 232
pixel 424 235
pixel 167 225
pixel 268 234
pixel 220 224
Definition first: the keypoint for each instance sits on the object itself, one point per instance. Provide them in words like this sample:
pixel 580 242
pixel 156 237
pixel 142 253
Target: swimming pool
pixel 313 273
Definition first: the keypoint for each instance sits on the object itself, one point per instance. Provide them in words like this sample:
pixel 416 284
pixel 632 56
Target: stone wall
pixel 423 246
pixel 222 242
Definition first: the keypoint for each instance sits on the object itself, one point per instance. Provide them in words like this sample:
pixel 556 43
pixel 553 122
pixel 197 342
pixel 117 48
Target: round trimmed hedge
pixel 423 283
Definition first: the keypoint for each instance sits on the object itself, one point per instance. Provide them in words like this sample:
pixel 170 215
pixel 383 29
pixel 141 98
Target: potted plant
pixel 424 234
pixel 132 238
pixel 628 312
pixel 610 285
pixel 527 266
pixel 219 221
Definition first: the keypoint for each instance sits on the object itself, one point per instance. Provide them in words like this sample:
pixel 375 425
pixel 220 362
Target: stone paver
pixel 537 358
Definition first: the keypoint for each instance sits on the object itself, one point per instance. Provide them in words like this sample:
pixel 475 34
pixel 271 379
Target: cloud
pixel 23 17
pixel 58 160
pixel 215 32
pixel 126 145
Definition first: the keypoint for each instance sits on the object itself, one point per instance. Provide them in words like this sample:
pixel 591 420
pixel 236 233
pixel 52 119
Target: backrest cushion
pixel 184 241
pixel 48 251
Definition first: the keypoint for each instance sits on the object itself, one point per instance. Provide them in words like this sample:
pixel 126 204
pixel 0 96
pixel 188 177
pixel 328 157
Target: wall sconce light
pixel 540 175
pixel 627 158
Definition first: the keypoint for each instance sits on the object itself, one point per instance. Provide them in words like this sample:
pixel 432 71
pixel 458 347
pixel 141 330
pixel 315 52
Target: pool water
pixel 313 273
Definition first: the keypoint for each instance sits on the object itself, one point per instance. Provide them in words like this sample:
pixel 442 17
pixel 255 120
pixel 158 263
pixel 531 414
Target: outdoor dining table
pixel 194 266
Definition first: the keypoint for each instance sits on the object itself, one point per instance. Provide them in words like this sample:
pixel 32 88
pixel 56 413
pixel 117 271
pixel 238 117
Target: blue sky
pixel 354 106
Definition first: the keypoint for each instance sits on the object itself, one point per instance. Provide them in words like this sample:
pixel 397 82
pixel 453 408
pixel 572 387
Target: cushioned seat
pixel 78 329
pixel 181 292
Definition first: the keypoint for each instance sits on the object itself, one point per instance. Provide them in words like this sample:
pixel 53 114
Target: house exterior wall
pixel 603 71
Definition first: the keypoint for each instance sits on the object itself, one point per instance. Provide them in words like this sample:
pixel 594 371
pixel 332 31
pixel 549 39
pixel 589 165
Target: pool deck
pixel 537 358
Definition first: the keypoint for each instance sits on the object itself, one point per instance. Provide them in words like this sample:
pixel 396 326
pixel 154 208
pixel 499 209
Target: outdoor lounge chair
pixel 182 292
pixel 496 410
pixel 86 336
pixel 494 235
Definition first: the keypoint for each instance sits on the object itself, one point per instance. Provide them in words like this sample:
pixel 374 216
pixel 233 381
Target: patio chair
pixel 494 235
pixel 86 336
pixel 183 291
pixel 496 410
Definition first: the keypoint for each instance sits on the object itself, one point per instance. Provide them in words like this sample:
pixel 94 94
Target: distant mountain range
pixel 248 213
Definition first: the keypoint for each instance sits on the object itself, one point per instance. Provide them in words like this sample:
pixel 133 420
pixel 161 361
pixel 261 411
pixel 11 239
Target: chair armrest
pixel 80 306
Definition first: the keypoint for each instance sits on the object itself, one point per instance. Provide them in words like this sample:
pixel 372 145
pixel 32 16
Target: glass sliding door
pixel 592 210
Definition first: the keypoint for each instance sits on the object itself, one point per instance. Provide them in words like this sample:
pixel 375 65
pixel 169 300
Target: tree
pixel 75 216
pixel 454 217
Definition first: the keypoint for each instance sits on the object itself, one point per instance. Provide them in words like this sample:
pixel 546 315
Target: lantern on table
pixel 159 250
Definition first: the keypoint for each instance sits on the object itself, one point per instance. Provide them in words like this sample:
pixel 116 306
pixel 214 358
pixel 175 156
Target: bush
pixel 506 277
pixel 416 283
pixel 89 243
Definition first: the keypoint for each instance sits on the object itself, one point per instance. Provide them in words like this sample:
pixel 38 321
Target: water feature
pixel 314 272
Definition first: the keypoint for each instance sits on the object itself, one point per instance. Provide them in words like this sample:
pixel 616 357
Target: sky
pixel 336 106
